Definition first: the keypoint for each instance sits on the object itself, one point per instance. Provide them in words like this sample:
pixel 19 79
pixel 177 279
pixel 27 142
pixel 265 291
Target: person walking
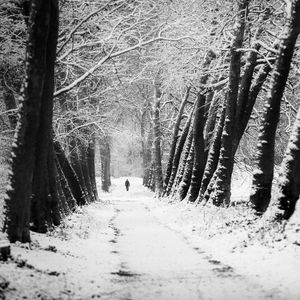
pixel 127 184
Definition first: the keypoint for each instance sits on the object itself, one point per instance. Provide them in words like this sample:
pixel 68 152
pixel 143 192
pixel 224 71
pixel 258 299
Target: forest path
pixel 120 248
pixel 157 263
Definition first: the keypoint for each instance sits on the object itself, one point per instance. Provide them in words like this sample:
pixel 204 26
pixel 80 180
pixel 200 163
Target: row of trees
pixel 72 95
pixel 224 110
pixel 196 79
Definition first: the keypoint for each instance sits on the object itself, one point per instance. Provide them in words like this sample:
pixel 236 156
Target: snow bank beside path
pixel 234 236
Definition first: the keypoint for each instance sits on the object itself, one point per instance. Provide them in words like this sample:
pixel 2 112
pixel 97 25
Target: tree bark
pixel 263 176
pixel 186 151
pixel 69 174
pixel 157 143
pixel 211 120
pixel 199 149
pixel 244 117
pixel 221 194
pixel 43 14
pixel 289 187
pixel 63 182
pixel 187 175
pixel 84 161
pixel 92 170
pixel 105 164
pixel 175 138
pixel 213 154
pixel 44 196
pixel 178 153
pixel 147 158
pixel 77 166
pixel 200 155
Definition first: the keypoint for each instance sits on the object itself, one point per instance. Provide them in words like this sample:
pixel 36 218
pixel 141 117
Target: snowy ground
pixel 132 246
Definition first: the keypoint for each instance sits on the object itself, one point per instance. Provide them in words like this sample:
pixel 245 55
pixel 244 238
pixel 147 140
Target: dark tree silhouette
pixel 213 154
pixel 157 141
pixel 200 155
pixel 175 138
pixel 263 176
pixel 69 174
pixel 221 193
pixel 37 92
pixel 184 159
pixel 105 163
pixel 178 153
pixel 289 186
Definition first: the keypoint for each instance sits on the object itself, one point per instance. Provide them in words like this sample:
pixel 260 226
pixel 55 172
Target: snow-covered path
pixel 123 248
pixel 158 263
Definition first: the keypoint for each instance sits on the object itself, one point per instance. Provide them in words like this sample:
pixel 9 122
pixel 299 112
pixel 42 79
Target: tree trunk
pixel 178 153
pixel 39 68
pixel 198 132
pixel 156 143
pixel 187 175
pixel 211 120
pixel 213 153
pixel 147 157
pixel 222 192
pixel 63 182
pixel 289 186
pixel 199 149
pixel 186 151
pixel 53 174
pixel 91 164
pixel 244 117
pixel 175 138
pixel 42 198
pixel 70 174
pixel 263 176
pixel 83 154
pixel 105 165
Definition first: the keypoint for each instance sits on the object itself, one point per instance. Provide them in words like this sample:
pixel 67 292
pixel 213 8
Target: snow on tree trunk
pixel 175 138
pixel 289 186
pixel 263 176
pixel 221 193
pixel 185 155
pixel 146 149
pixel 245 85
pixel 69 174
pixel 79 161
pixel 63 183
pixel 187 175
pixel 211 120
pixel 91 166
pixel 151 180
pixel 200 155
pixel 213 153
pixel 77 166
pixel 105 164
pixel 157 142
pixel 199 149
pixel 147 161
pixel 178 153
pixel 244 117
pixel 19 191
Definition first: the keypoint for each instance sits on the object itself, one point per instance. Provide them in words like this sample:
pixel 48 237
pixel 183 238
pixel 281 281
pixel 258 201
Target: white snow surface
pixel 130 245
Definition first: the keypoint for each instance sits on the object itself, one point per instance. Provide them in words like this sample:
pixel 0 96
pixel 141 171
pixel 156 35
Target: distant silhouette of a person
pixel 127 184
